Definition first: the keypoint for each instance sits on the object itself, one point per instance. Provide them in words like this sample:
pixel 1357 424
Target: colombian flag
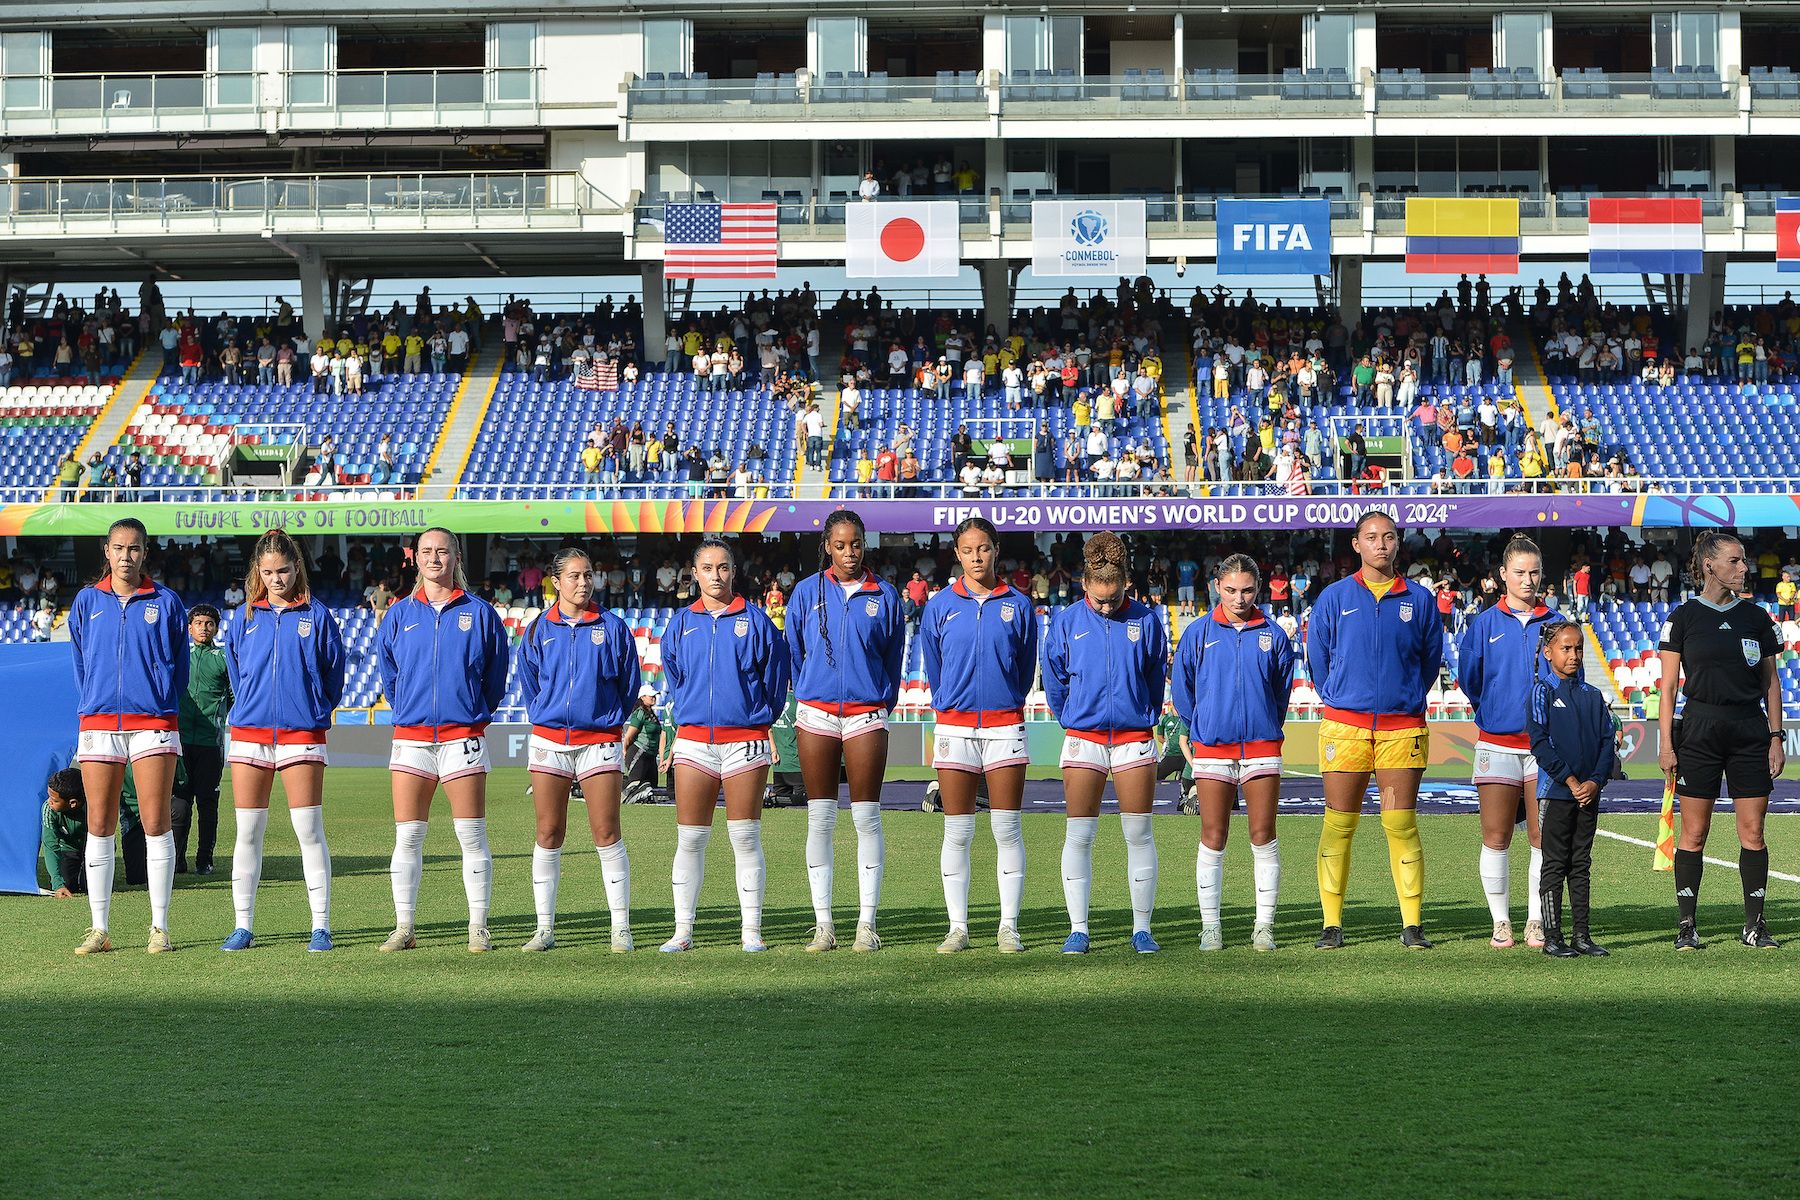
pixel 1462 236
pixel 1787 233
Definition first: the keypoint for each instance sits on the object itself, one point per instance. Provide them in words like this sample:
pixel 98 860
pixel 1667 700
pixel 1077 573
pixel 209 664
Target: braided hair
pixel 1105 559
pixel 842 516
pixel 1706 548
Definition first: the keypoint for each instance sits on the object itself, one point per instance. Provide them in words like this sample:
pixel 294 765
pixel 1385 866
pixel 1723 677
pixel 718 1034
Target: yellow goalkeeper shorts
pixel 1351 748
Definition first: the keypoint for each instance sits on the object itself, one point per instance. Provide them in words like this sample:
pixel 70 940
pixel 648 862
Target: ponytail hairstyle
pixel 842 516
pixel 276 541
pixel 1706 548
pixel 715 543
pixel 982 523
pixel 1104 559
pixel 1233 564
pixel 567 555
pixel 131 523
pixel 1520 544
pixel 458 577
pixel 1371 515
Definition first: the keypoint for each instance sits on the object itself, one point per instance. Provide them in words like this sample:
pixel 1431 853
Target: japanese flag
pixel 902 239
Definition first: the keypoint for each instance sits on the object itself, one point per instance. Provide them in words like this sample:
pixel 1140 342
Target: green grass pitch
pixel 1371 1072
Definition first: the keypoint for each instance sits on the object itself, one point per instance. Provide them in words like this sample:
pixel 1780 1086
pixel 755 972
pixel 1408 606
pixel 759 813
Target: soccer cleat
pixel 1503 938
pixel 1075 943
pixel 955 942
pixel 1211 938
pixel 320 942
pixel 1263 938
pixel 159 941
pixel 676 945
pixel 1687 937
pixel 1581 943
pixel 1555 947
pixel 1757 937
pixel 240 939
pixel 1330 938
pixel 96 942
pixel 621 941
pixel 540 941
pixel 867 940
pixel 1413 938
pixel 753 943
pixel 1008 941
pixel 1534 934
pixel 480 940
pixel 1143 943
pixel 401 939
pixel 824 938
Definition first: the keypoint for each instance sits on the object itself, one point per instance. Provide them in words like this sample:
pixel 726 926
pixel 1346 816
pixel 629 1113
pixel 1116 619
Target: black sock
pixel 1688 865
pixel 1753 865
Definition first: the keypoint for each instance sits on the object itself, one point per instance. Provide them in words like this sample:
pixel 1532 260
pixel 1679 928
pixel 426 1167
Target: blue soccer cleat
pixel 1076 943
pixel 1143 943
pixel 240 939
pixel 320 943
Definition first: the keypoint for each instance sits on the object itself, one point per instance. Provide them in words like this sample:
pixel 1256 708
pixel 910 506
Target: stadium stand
pixel 41 423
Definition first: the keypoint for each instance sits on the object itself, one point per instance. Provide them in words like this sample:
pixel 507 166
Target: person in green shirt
pixel 202 716
pixel 642 746
pixel 131 829
pixel 1175 757
pixel 787 789
pixel 65 834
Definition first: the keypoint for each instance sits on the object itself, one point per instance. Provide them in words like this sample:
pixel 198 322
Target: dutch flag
pixel 1652 235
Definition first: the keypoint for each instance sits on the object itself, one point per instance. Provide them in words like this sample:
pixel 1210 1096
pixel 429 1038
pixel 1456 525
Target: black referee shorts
pixel 1730 751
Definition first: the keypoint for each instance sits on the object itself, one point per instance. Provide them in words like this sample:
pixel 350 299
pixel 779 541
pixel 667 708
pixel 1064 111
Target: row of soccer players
pixel 443 656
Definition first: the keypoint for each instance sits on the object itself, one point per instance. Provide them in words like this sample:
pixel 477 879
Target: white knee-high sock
pixel 100 857
pixel 1140 864
pixel 746 847
pixel 546 873
pixel 1009 841
pixel 1534 898
pixel 689 869
pixel 615 872
pixel 159 863
pixel 959 832
pixel 821 823
pixel 315 861
pixel 246 863
pixel 871 858
pixel 478 866
pixel 1078 869
pixel 1268 879
pixel 404 870
pixel 1496 876
pixel 1209 881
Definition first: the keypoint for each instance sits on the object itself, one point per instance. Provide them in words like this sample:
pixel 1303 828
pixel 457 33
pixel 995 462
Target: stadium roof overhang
pixel 250 256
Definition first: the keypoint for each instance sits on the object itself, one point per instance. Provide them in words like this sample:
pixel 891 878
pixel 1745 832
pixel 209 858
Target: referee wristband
pixel 1777 733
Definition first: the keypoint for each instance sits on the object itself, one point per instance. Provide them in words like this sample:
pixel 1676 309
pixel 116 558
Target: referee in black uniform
pixel 1730 728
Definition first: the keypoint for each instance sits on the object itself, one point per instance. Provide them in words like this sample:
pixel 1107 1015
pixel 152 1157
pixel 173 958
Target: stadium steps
pixel 132 390
pixel 1529 383
pixel 457 438
pixel 1598 672
pixel 1177 401
pixel 831 349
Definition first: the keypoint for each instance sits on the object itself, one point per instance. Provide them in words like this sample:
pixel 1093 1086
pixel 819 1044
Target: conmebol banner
pixel 1095 238
pixel 1274 237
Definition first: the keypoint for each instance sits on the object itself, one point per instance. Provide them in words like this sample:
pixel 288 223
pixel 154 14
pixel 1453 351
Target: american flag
pixel 719 241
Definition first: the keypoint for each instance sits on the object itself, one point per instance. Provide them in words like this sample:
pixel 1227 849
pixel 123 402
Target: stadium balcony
pixel 534 433
pixel 41 422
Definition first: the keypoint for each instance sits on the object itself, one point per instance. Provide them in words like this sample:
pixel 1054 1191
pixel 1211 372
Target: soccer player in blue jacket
pixel 1572 739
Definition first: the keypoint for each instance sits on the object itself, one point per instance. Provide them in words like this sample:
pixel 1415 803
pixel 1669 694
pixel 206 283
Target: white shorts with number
pixel 722 760
pixel 1098 756
pixel 442 761
pixel 1503 765
pixel 980 751
pixel 274 757
pixel 580 761
pixel 126 745
pixel 830 725
pixel 1236 771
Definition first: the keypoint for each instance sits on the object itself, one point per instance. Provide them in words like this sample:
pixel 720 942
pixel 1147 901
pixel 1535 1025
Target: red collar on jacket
pixel 1510 611
pixel 1001 588
pixel 868 580
pixel 300 601
pixel 1218 614
pixel 144 588
pixel 590 613
pixel 1401 583
pixel 453 597
pixel 736 606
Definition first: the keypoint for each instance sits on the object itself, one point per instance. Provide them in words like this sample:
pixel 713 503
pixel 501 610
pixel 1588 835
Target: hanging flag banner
pixel 1274 237
pixel 902 239
pixel 1462 236
pixel 1787 233
pixel 1644 235
pixel 1096 238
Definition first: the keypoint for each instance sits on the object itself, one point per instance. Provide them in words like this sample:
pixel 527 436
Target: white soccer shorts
pixel 723 760
pixel 1114 758
pixel 980 751
pixel 442 761
pixel 126 745
pixel 580 761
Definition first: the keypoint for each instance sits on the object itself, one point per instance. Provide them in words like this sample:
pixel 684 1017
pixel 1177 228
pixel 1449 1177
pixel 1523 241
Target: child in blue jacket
pixel 1572 741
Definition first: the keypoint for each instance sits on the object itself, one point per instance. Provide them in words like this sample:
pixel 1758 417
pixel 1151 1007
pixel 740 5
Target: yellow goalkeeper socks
pixel 1334 862
pixel 1406 857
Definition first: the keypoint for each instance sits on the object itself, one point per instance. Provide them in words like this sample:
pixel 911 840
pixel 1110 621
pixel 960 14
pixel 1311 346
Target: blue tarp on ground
pixel 37 736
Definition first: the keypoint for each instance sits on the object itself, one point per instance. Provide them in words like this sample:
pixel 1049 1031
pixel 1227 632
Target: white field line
pixel 1717 862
